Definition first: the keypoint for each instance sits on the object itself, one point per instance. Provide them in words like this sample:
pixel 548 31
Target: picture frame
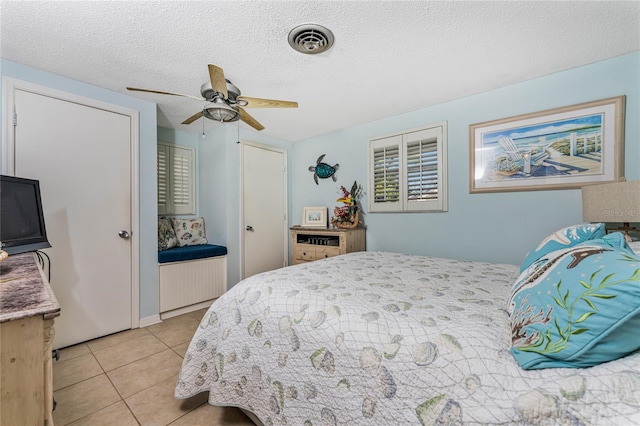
pixel 561 148
pixel 314 217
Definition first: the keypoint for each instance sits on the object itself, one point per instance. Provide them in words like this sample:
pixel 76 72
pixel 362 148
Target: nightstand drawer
pixel 305 253
pixel 323 252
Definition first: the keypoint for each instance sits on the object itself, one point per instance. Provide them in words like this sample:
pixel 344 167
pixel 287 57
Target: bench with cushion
pixel 192 272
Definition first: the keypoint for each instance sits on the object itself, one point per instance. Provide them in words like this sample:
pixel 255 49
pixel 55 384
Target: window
pixel 408 171
pixel 176 173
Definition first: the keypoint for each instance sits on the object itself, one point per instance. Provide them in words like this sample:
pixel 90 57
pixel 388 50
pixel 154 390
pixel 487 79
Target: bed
pixel 375 338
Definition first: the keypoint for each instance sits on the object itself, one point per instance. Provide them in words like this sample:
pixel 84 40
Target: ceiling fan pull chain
pixel 202 122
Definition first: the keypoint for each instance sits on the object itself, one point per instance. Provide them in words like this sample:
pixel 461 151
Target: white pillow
pixel 190 232
pixel 635 246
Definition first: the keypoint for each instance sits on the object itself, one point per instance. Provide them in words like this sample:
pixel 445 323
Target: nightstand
pixel 309 244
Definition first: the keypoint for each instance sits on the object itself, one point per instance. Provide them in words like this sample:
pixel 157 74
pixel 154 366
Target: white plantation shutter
pixel 182 180
pixel 176 179
pixel 384 182
pixel 422 170
pixel 425 180
pixel 408 171
pixel 163 171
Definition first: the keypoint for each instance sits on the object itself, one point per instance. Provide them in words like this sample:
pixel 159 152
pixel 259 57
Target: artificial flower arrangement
pixel 346 216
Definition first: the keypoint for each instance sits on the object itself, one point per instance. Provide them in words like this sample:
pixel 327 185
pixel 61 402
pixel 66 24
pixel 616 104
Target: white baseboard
pixel 147 321
pixel 186 309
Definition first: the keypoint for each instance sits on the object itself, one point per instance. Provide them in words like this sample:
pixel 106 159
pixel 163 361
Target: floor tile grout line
pixel 86 378
pixel 81 381
pixel 123 342
pixel 136 360
pixel 106 372
pixel 131 411
pixel 93 341
pixel 143 389
pixel 176 352
pixel 93 412
pixel 124 400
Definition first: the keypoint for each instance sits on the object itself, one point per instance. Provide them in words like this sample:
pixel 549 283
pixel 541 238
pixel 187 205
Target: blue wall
pixel 220 183
pixel 496 227
pixel 148 148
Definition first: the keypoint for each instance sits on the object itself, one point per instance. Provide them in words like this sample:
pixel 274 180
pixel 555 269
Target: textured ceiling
pixel 388 58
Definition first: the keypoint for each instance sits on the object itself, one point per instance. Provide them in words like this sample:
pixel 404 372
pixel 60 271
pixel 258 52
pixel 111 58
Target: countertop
pixel 24 291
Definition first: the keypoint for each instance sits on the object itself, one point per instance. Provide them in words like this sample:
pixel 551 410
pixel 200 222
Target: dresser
pixel 27 309
pixel 309 244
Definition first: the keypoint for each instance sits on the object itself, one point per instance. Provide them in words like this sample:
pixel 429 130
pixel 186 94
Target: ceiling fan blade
pixel 267 103
pixel 193 118
pixel 135 89
pixel 218 82
pixel 249 119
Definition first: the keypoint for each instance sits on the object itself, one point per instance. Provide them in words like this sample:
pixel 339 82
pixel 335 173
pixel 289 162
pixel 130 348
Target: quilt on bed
pixel 380 338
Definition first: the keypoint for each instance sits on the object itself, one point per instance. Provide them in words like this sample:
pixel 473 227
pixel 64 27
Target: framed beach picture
pixel 561 148
pixel 315 217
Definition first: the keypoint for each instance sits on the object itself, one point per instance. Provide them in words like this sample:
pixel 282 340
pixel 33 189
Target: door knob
pixel 249 228
pixel 123 234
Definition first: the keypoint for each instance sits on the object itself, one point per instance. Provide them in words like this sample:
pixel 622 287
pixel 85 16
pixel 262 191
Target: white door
pixel 264 202
pixel 82 157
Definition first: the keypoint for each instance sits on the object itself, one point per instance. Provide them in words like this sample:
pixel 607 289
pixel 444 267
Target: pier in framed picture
pixel 561 148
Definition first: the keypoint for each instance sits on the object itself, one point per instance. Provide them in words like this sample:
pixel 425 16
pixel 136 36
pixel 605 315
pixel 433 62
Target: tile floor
pixel 128 379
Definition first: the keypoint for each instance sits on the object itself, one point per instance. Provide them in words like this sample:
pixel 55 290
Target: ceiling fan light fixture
pixel 311 39
pixel 221 112
pixel 224 103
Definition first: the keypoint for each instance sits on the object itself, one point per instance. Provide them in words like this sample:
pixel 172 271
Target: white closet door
pixel 82 157
pixel 264 189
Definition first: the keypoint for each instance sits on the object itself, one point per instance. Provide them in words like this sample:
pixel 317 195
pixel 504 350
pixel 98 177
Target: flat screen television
pixel 21 220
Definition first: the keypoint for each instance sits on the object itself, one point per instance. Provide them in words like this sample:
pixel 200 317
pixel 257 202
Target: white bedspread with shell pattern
pixel 378 338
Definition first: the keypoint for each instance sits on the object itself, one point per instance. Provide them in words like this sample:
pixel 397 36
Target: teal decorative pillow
pixel 166 235
pixel 563 238
pixel 578 307
pixel 190 232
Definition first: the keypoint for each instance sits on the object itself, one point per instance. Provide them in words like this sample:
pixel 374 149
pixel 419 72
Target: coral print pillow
pixel 579 306
pixel 166 235
pixel 562 238
pixel 190 232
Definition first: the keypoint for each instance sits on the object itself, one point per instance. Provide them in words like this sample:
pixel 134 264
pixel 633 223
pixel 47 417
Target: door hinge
pixel 15 119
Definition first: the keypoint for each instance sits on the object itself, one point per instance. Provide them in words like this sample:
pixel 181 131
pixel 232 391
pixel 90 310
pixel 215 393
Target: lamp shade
pixel 221 112
pixel 611 202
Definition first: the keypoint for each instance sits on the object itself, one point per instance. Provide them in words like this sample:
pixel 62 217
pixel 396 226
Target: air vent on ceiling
pixel 311 39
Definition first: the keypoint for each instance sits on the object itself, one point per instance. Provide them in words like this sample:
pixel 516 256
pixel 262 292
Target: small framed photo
pixel 314 217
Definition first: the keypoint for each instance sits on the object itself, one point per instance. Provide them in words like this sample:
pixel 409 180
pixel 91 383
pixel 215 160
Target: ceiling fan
pixel 225 103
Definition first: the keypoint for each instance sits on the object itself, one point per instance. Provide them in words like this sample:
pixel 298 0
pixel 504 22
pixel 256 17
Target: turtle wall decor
pixel 323 170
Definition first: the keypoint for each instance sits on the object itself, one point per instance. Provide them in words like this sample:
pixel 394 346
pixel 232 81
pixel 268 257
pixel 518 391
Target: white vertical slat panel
pixel 385 184
pixel 163 170
pixel 186 283
pixel 182 180
pixel 425 172
pixel 176 179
